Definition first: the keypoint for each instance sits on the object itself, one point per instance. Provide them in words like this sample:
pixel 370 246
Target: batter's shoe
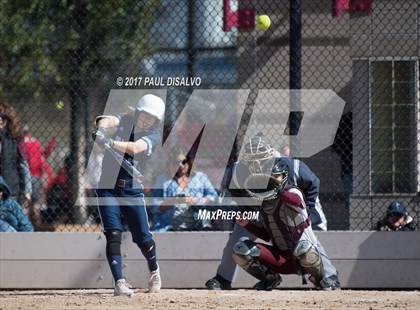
pixel 270 282
pixel 155 282
pixel 122 288
pixel 218 283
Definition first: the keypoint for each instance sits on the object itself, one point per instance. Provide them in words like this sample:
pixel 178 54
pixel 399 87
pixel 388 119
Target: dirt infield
pixel 203 299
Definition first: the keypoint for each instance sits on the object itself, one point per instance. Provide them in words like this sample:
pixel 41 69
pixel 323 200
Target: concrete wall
pixel 187 260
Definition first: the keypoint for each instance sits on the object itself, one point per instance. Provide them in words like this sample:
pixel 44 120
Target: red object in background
pixel 51 145
pixel 62 177
pixel 38 165
pixel 342 6
pixel 361 6
pixel 243 19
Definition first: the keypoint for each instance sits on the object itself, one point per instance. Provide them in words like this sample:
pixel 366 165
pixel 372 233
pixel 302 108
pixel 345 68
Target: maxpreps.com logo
pixel 220 215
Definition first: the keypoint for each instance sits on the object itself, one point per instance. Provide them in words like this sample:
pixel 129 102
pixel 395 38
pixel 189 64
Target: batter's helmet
pixel 152 105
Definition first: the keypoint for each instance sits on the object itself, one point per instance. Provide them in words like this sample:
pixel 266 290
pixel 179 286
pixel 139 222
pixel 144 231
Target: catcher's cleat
pixel 122 288
pixel 270 282
pixel 155 282
pixel 218 284
pixel 327 284
pixel 330 284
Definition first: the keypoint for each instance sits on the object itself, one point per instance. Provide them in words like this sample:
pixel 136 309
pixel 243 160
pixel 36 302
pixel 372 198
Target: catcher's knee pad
pixel 113 242
pixel 308 255
pixel 147 246
pixel 244 251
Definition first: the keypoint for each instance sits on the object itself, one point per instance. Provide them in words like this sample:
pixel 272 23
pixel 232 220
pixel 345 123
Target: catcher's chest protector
pixel 287 224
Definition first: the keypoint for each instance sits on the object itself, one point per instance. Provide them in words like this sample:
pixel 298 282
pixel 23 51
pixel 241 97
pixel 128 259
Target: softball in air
pixel 263 22
pixel 59 105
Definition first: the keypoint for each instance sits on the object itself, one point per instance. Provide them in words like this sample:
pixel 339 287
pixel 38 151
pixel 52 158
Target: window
pixel 393 139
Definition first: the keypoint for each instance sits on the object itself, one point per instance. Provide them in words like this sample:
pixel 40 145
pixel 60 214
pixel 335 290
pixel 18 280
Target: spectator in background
pixel 41 175
pixel 285 151
pixel 185 191
pixel 12 217
pixel 59 198
pixel 161 220
pixel 13 157
pixel 396 219
pixel 343 146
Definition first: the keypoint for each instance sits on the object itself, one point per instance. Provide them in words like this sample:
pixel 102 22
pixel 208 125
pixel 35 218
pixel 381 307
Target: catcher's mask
pixel 280 173
pixel 257 153
pixel 262 186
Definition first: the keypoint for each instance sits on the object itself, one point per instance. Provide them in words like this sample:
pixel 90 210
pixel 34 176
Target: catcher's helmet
pixel 396 208
pixel 280 169
pixel 257 151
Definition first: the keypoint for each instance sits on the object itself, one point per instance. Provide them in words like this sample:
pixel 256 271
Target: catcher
pixel 259 156
pixel 285 222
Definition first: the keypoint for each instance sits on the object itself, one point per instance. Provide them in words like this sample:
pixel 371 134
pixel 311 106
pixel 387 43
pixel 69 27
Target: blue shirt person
pixel 184 191
pixel 12 217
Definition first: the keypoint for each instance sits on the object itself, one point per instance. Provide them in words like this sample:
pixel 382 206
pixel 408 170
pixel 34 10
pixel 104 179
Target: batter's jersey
pixel 111 169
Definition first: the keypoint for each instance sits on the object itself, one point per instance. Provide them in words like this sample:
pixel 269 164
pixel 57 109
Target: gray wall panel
pixel 54 274
pixel 41 245
pixel 74 260
pixel 196 245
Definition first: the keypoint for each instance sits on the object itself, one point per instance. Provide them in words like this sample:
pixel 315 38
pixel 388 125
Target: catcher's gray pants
pixel 329 269
pixel 318 219
pixel 227 268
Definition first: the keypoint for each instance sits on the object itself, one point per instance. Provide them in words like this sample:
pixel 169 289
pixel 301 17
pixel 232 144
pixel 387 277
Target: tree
pixel 51 48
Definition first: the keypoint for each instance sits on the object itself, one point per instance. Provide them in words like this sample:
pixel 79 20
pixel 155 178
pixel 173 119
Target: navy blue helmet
pixel 396 208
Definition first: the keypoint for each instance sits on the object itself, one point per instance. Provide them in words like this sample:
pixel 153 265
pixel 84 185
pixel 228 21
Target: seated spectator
pixel 396 219
pixel 185 191
pixel 12 217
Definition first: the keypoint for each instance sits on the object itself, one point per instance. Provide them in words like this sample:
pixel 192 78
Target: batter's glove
pixel 100 138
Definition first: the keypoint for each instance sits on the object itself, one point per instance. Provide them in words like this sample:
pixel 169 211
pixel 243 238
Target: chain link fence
pixel 61 59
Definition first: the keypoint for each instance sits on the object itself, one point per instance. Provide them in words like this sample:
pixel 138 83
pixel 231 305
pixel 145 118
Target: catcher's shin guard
pixel 309 258
pixel 245 254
